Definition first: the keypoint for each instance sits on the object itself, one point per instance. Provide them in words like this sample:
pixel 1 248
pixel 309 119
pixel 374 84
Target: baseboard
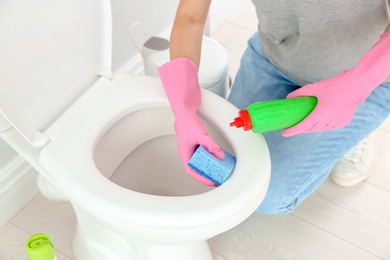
pixel 18 185
pixel 134 67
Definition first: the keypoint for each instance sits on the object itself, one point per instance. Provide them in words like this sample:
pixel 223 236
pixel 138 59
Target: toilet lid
pixel 51 52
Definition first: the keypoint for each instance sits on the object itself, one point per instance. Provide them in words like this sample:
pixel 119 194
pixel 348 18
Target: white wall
pixel 155 16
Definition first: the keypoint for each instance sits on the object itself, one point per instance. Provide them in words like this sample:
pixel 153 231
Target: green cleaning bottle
pixel 274 115
pixel 39 247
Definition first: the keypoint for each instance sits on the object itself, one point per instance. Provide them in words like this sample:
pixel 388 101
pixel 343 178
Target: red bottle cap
pixel 243 120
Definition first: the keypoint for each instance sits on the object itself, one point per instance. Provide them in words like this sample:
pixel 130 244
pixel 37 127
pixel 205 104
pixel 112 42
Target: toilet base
pixel 87 249
pixel 94 240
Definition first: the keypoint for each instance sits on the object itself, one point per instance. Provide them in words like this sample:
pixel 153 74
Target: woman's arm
pixel 180 81
pixel 345 91
pixel 187 30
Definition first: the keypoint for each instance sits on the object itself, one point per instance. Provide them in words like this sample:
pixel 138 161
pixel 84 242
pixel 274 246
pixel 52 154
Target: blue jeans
pixel 300 163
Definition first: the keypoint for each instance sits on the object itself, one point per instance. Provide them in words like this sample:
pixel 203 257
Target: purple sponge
pixel 210 167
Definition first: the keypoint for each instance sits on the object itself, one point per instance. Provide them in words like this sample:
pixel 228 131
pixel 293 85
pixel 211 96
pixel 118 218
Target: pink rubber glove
pixel 180 81
pixel 339 96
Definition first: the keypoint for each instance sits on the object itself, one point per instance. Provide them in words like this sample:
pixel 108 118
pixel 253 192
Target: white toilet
pixel 108 145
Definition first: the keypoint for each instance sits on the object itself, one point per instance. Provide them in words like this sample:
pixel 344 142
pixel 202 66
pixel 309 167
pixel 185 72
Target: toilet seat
pixel 73 137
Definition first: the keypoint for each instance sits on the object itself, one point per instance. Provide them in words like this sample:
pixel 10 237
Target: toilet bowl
pixel 108 145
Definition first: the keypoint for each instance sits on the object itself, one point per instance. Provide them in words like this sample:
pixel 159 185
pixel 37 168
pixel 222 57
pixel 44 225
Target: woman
pixel 337 51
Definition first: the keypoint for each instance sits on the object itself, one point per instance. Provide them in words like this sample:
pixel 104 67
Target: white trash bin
pixel 214 64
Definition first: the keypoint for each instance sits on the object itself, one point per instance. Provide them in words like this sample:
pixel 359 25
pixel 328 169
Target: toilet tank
pixel 51 51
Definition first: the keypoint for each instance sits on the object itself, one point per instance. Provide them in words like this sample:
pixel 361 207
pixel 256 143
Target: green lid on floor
pixel 39 247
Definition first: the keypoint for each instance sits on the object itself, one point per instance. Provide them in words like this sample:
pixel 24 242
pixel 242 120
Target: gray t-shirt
pixel 311 40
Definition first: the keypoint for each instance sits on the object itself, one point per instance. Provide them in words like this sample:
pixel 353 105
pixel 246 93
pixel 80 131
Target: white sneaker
pixel 357 163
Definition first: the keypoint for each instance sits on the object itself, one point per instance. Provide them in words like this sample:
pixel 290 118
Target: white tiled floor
pixel 333 223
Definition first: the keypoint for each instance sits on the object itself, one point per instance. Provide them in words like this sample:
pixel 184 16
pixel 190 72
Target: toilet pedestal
pixel 87 244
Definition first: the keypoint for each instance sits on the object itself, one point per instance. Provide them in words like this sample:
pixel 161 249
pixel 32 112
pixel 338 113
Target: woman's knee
pixel 275 207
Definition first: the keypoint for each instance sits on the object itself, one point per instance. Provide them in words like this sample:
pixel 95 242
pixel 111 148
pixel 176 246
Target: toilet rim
pixel 75 168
